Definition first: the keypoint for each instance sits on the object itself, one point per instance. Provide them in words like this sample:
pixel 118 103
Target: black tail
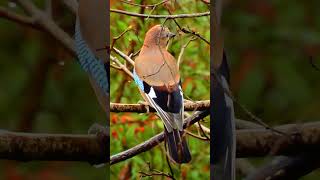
pixel 223 125
pixel 177 146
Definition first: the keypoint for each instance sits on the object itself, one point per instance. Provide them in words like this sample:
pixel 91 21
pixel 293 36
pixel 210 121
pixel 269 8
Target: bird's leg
pixel 146 105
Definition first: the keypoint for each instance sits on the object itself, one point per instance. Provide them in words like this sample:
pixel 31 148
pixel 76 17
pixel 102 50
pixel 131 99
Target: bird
pixel 157 76
pixel 90 38
pixel 223 145
pixel 90 45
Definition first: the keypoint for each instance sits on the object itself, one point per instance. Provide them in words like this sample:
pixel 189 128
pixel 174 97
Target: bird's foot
pixel 146 105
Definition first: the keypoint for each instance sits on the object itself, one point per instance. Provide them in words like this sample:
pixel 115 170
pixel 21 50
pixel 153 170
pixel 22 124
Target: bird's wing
pixel 223 121
pixel 169 105
pixel 223 126
pixel 93 61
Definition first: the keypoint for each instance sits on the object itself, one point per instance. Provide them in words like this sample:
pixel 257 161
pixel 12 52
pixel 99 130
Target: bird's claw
pixel 146 105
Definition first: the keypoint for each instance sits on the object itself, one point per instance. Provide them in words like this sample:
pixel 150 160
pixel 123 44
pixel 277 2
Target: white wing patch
pixel 152 94
pixel 170 120
pixel 163 115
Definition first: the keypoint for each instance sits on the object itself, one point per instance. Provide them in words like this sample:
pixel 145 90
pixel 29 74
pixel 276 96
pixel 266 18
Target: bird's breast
pixel 157 68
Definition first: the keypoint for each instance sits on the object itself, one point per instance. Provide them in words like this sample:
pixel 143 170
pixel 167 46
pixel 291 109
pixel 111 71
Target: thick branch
pixel 261 142
pixel 160 16
pixel 155 140
pixel 292 167
pixel 53 147
pixel 140 108
pixel 45 22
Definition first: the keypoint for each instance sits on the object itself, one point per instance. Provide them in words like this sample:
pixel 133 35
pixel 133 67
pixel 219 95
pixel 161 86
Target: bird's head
pixel 158 35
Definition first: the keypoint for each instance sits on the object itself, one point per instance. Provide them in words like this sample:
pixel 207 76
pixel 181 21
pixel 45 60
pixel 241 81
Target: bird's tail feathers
pixel 177 146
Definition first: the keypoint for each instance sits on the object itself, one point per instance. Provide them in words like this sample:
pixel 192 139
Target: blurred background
pixel 44 90
pixel 270 45
pixel 130 129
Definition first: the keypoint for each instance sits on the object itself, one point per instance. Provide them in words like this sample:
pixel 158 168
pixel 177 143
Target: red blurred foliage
pixel 184 173
pixel 136 130
pixel 124 141
pixel 187 81
pixel 115 134
pixel 48 172
pixel 114 118
pixel 126 118
pixel 139 129
pixel 248 61
pixel 125 173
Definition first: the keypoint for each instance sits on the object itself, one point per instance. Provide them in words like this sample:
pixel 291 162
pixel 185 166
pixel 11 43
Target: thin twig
pixel 161 16
pixel 182 51
pixel 124 56
pixel 144 5
pixel 250 114
pixel 120 65
pixel 118 37
pixel 196 136
pixel 202 131
pixel 48 24
pixel 187 31
pixel 24 20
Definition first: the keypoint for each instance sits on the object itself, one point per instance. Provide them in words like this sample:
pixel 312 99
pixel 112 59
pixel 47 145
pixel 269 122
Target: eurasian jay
pixel 90 36
pixel 223 144
pixel 90 40
pixel 157 76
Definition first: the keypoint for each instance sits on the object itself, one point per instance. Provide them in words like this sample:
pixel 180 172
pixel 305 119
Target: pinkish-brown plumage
pixel 162 68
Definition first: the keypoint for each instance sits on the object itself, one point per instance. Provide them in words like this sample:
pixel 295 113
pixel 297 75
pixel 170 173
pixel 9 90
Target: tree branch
pixel 262 142
pixel 161 16
pixel 27 21
pixel 54 147
pixel 155 140
pixel 140 108
pixel 49 26
pixel 283 167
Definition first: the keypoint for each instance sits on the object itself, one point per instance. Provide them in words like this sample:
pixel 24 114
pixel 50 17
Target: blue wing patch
pixel 90 63
pixel 137 80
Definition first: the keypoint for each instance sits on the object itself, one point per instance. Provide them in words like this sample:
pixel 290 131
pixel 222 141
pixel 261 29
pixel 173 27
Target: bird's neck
pixel 152 47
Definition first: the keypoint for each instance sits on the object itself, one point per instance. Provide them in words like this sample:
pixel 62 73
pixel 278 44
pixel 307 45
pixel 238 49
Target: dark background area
pixel 44 90
pixel 269 45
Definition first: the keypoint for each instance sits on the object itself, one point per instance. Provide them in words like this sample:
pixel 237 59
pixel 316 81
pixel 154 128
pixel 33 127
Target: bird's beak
pixel 171 35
